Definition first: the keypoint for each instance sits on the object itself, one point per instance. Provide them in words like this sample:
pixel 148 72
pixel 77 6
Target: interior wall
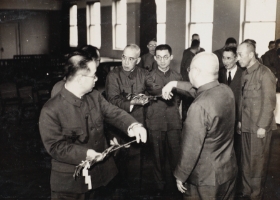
pixel 175 30
pixel 277 34
pixel 226 22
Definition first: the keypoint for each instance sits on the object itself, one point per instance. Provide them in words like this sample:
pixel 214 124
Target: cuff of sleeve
pixel 129 130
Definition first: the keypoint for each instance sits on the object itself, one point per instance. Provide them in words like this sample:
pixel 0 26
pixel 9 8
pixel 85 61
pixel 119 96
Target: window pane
pixel 161 11
pixel 262 33
pixel 73 15
pixel 73 36
pixel 121 11
pixel 95 36
pixel 95 13
pixel 202 10
pixel 205 32
pixel 120 38
pixel 161 34
pixel 261 10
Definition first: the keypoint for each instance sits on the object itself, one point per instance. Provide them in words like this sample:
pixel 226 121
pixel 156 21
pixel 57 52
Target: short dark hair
pixel 91 50
pixel 277 42
pixel 230 40
pixel 154 40
pixel 231 49
pixel 195 44
pixel 195 34
pixel 271 42
pixel 164 47
pixel 75 62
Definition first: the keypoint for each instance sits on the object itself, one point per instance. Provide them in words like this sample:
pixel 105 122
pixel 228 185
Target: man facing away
pixel 230 42
pixel 147 60
pixel 256 120
pixel 71 128
pixel 207 165
pixel 163 119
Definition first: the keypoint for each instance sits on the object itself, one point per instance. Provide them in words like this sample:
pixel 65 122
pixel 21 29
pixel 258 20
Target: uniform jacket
pixel 219 54
pixel 163 114
pixel 148 62
pixel 235 84
pixel 271 60
pixel 258 100
pixel 207 156
pixel 120 83
pixel 69 126
pixel 185 63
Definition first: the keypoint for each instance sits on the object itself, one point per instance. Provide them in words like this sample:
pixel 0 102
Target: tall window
pixel 199 19
pixel 93 24
pixel 161 21
pixel 119 15
pixel 73 37
pixel 258 20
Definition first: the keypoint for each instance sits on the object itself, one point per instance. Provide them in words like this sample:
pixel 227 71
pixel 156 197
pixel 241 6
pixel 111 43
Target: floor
pixel 25 165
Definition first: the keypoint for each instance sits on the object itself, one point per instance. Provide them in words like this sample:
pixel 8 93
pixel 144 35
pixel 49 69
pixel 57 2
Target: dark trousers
pixel 164 144
pixel 224 191
pixel 237 149
pixel 254 158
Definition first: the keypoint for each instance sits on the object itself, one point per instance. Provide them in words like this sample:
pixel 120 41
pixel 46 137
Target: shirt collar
pixel 207 86
pixel 253 67
pixel 167 73
pixel 70 97
pixel 130 74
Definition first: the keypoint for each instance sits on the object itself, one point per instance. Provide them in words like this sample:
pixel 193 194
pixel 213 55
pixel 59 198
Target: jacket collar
pixel 70 97
pixel 253 67
pixel 206 86
pixel 130 74
pixel 167 73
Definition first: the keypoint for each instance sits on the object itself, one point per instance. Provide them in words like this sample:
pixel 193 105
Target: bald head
pixel 207 62
pixel 204 69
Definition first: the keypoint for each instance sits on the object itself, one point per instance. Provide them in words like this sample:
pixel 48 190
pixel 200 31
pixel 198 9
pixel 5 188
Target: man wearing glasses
pixel 122 84
pixel 147 60
pixel 71 128
pixel 163 120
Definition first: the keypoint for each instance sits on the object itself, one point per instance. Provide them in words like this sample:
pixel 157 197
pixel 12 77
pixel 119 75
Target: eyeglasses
pixel 164 58
pixel 152 45
pixel 130 59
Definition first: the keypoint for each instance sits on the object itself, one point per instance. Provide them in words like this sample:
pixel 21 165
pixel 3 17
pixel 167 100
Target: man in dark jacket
pixel 71 128
pixel 163 119
pixel 147 60
pixel 122 84
pixel 207 161
pixel 256 120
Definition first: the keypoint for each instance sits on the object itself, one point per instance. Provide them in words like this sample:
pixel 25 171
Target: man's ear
pixel 171 57
pixel 138 60
pixel 252 54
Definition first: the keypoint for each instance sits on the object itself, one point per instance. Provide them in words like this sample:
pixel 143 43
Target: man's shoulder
pixel 115 71
pixel 270 52
pixel 175 73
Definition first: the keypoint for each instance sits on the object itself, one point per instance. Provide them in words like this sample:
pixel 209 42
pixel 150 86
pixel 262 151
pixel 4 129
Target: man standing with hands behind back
pixel 207 160
pixel 256 120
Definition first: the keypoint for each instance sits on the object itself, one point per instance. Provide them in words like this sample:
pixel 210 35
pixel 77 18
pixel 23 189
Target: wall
pixel 277 34
pixel 175 29
pixel 226 22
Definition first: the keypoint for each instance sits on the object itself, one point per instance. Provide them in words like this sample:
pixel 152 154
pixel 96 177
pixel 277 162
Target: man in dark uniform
pixel 207 161
pixel 163 119
pixel 71 128
pixel 147 60
pixel 256 120
pixel 122 84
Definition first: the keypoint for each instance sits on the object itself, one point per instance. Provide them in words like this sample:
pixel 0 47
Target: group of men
pixel 222 143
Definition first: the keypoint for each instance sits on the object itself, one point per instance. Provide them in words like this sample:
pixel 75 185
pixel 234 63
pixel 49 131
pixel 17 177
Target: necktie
pixel 229 78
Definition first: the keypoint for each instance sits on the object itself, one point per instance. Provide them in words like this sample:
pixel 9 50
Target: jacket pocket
pixel 72 134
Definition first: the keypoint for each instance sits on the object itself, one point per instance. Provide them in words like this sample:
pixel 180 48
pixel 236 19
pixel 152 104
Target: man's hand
pixel 180 186
pixel 139 99
pixel 239 128
pixel 93 155
pixel 139 132
pixel 166 90
pixel 261 133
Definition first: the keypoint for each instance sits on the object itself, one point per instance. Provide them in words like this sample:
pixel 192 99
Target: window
pixel 119 15
pixel 93 24
pixel 257 22
pixel 199 19
pixel 161 21
pixel 73 37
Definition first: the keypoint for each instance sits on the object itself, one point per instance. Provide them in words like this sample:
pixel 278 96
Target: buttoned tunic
pixel 69 126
